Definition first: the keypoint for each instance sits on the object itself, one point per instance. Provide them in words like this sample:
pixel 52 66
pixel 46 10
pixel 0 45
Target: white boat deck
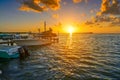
pixel 32 42
pixel 9 49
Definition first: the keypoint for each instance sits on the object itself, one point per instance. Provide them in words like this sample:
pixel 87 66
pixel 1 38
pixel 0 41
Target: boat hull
pixel 9 51
pixel 5 55
pixel 31 42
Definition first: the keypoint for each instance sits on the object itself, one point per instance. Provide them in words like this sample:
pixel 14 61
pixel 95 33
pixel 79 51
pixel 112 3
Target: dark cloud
pixel 111 20
pixel 116 21
pixel 88 23
pixel 53 4
pixel 110 7
pixel 43 5
pixel 30 5
pixel 109 13
pixel 39 5
pixel 103 19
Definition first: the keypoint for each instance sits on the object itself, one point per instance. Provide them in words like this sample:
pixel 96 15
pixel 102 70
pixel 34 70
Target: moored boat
pixel 31 42
pixel 9 51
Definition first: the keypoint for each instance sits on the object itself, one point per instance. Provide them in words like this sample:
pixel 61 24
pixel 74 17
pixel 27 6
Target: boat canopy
pixel 6 36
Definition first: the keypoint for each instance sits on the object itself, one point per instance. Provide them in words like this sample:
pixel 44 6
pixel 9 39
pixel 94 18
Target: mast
pixel 45 26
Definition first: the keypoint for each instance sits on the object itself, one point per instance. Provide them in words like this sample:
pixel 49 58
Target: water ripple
pixel 85 57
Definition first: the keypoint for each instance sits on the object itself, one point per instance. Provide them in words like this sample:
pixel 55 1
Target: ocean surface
pixel 75 57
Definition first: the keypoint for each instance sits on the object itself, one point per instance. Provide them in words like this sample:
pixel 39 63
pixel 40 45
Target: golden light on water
pixel 69 29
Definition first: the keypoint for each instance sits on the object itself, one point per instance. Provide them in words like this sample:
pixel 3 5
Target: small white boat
pixel 9 51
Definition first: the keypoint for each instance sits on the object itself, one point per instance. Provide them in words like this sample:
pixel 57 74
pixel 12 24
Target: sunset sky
pixel 98 16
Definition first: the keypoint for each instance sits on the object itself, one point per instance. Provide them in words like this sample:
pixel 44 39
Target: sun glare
pixel 70 29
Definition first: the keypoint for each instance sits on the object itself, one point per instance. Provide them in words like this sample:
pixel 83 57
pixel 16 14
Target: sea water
pixel 75 57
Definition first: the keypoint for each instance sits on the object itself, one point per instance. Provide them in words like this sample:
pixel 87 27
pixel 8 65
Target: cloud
pixel 43 5
pixel 83 15
pixel 64 3
pixel 103 19
pixel 88 23
pixel 86 1
pixel 93 11
pixel 53 4
pixel 116 21
pixel 39 5
pixel 56 16
pixel 78 1
pixel 108 10
pixel 31 5
pixel 110 7
pixel 109 13
pixel 111 20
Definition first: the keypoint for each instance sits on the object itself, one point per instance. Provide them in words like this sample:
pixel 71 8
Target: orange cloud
pixel 109 11
pixel 56 16
pixel 29 8
pixel 52 4
pixel 110 7
pixel 83 15
pixel 77 1
pixel 39 5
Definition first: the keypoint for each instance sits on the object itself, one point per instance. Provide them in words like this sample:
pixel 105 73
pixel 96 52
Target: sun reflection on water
pixel 69 41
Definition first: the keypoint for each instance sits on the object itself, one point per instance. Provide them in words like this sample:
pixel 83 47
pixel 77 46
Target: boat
pixel 37 39
pixel 31 39
pixel 9 51
pixel 6 36
pixel 31 42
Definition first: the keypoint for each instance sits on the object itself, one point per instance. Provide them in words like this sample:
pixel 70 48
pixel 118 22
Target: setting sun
pixel 70 29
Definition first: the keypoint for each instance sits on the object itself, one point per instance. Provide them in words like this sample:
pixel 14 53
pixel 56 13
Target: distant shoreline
pixel 60 33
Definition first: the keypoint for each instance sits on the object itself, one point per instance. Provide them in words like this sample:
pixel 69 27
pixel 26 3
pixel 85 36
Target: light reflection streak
pixel 69 42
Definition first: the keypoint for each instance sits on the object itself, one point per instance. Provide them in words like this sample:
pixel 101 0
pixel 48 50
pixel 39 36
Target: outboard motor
pixel 23 51
pixel 26 51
